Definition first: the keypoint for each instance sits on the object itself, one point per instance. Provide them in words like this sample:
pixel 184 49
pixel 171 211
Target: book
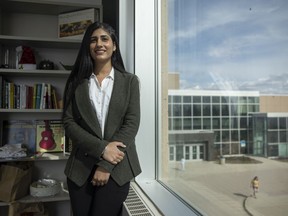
pixel 67 145
pixel 11 95
pixel 30 97
pixel 54 99
pixel 34 96
pixel 1 91
pixel 23 92
pixel 16 96
pixel 49 102
pixel 20 132
pixel 38 95
pixel 5 94
pixel 49 136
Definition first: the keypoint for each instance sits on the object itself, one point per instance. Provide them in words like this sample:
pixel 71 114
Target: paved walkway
pixel 219 190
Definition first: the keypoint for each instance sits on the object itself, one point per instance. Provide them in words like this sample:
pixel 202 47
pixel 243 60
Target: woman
pixel 255 185
pixel 101 116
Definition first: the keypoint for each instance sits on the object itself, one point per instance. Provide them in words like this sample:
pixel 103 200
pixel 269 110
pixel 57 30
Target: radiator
pixel 135 204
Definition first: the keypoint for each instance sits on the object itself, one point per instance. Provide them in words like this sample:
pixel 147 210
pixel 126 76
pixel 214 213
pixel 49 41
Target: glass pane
pixel 235 136
pixel 206 123
pixel 171 151
pixel 225 123
pixel 243 122
pixel 233 99
pixel 196 110
pixel 177 110
pixel 194 152
pixel 283 136
pixel 177 124
pixel 177 99
pixel 196 99
pixel 206 110
pixel 187 152
pixel 187 110
pixel 282 123
pixel 273 123
pixel 216 123
pixel 225 136
pixel 187 123
pixel 225 110
pixel 216 110
pixel 216 99
pixel 206 99
pixel 196 123
pixel 224 100
pixel 231 62
pixel 186 99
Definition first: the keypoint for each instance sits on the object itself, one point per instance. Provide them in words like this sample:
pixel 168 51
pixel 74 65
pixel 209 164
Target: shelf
pixel 61 196
pixel 49 8
pixel 46 73
pixel 43 157
pixel 30 110
pixel 40 42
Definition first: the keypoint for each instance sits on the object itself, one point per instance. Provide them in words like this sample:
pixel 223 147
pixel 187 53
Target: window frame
pixel 147 46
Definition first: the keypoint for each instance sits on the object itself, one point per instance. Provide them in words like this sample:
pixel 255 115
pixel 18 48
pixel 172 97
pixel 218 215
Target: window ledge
pixel 165 201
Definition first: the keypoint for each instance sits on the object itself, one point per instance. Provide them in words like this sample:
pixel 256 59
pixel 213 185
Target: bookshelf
pixel 34 23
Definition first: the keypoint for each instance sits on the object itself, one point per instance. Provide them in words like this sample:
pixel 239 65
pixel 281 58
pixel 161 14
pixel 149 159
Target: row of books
pixel 36 135
pixel 22 96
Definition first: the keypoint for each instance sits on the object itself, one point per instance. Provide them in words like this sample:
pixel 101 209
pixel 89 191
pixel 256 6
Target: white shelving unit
pixel 34 23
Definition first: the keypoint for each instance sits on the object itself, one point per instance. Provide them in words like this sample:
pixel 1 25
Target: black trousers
pixel 90 200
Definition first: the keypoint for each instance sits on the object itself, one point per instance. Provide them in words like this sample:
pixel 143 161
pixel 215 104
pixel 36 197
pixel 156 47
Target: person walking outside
pixel 255 185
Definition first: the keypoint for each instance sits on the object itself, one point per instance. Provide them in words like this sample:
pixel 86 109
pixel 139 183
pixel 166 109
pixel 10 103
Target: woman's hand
pixel 101 177
pixel 112 153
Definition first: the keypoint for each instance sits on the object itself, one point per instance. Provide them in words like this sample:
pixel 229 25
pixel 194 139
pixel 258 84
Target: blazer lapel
pixel 86 109
pixel 116 106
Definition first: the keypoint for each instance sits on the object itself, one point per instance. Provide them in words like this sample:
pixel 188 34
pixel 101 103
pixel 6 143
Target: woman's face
pixel 101 46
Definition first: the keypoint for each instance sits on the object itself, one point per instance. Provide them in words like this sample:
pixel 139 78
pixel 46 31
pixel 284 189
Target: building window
pixel 273 123
pixel 177 110
pixel 197 110
pixel 187 110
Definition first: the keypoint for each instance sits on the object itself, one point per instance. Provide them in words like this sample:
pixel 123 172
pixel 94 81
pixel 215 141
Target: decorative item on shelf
pixel 49 136
pixel 45 187
pixel 6 60
pixel 74 24
pixel 26 58
pixel 66 67
pixel 13 151
pixel 20 134
pixel 46 65
pixel 15 180
pixel 47 142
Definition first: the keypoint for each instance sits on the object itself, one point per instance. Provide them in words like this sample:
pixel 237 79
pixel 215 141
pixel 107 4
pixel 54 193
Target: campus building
pixel 205 124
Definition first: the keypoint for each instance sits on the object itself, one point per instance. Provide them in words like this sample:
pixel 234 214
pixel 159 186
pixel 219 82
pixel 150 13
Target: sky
pixel 231 45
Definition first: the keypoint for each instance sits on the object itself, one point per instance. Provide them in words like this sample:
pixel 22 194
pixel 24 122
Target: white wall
pixel 126 33
pixel 145 69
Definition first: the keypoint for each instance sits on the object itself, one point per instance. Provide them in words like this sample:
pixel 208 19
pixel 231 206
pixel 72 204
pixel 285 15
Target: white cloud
pixel 233 47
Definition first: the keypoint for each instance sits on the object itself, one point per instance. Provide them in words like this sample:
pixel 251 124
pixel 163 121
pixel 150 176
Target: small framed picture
pixel 74 24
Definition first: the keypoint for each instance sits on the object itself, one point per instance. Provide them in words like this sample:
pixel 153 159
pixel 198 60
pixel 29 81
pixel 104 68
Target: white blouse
pixel 100 96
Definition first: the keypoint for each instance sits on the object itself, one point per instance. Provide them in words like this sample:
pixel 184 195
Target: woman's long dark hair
pixel 84 64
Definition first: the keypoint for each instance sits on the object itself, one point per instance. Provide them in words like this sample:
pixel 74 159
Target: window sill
pixel 164 200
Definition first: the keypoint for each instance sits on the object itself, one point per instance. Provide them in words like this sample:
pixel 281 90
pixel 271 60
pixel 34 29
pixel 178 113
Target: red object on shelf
pixel 27 56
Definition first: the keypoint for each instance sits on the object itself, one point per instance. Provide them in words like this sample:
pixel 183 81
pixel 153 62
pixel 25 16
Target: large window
pixel 223 72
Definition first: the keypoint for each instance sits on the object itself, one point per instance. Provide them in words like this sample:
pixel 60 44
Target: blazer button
pixel 86 154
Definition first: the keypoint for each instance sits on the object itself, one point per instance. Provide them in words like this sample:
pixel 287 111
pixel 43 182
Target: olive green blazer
pixel 82 127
